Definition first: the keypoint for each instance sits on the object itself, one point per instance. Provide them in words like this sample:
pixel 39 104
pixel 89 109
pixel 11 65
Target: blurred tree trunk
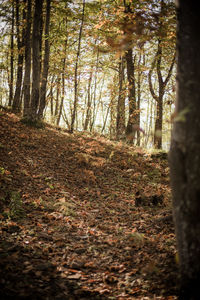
pixel 185 150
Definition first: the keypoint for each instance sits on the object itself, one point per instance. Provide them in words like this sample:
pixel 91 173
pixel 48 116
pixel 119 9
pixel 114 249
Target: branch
pixel 170 70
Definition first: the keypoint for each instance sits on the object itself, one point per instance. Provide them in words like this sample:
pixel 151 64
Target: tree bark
pixel 58 88
pixel 89 102
pixel 120 130
pixel 185 150
pixel 46 62
pixel 161 91
pixel 35 96
pixel 11 57
pixel 130 131
pixel 95 108
pixel 20 44
pixel 76 70
pixel 27 74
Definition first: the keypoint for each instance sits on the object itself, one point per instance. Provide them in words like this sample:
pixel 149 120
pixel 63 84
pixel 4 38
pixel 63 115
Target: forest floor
pixel 82 217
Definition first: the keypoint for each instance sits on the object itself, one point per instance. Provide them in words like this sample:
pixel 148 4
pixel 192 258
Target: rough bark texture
pixel 185 150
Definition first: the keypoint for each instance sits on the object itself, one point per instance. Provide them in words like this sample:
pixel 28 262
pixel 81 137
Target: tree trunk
pixel 56 112
pixel 35 97
pixel 89 103
pixel 51 98
pixel 76 70
pixel 120 130
pixel 158 123
pixel 112 105
pixel 20 44
pixel 130 131
pixel 95 105
pixel 27 74
pixel 46 62
pixel 185 150
pixel 161 91
pixel 11 57
pixel 139 82
pixel 105 120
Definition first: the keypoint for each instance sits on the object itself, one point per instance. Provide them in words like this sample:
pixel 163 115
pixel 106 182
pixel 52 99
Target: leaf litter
pixel 85 224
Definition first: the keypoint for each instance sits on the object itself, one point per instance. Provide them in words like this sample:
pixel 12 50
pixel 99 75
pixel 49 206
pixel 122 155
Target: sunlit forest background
pixel 102 67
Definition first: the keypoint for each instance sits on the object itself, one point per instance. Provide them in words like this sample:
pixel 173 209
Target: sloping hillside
pixel 82 217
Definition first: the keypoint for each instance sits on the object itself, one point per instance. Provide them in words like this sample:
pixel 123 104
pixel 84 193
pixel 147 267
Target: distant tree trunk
pixel 20 44
pixel 139 81
pixel 63 72
pixel 130 129
pixel 161 90
pixel 105 120
pixel 27 74
pixel 35 96
pixel 63 89
pixel 11 57
pixel 148 129
pixel 62 95
pixel 185 150
pixel 60 110
pixel 120 130
pixel 57 105
pixel 93 118
pixel 96 105
pixel 46 62
pixel 157 64
pixel 76 70
pixel 89 102
pixel 113 97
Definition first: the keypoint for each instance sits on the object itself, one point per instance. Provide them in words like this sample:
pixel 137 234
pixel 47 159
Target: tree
pixel 46 63
pixel 120 130
pixel 76 70
pixel 159 65
pixel 27 73
pixel 162 83
pixel 185 150
pixel 36 40
pixel 20 45
pixel 11 76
